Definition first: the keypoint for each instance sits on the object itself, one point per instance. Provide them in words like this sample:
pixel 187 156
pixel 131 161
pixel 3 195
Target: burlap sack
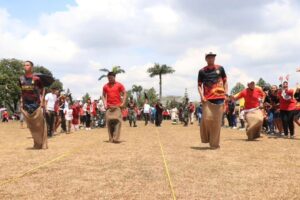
pixel 211 121
pixel 254 121
pixel 38 128
pixel 114 122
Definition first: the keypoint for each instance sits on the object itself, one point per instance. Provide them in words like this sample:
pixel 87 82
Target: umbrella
pixel 46 79
pixel 2 109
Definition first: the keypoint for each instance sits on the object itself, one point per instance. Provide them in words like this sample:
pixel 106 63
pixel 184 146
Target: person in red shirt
pixel 114 96
pixel 212 87
pixel 287 109
pixel 76 108
pixel 5 116
pixel 254 96
pixel 191 112
pixel 88 109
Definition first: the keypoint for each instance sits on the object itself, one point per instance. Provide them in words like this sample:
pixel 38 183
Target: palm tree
pixel 137 89
pixel 115 69
pixel 159 70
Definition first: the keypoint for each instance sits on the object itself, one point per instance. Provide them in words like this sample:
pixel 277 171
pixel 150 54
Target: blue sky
pixel 29 11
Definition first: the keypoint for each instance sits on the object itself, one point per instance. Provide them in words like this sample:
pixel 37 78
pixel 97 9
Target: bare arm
pixel 124 99
pixel 104 97
pixel 200 90
pixel 226 87
pixel 43 98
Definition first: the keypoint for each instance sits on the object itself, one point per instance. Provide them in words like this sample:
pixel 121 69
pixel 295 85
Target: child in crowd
pixel 69 117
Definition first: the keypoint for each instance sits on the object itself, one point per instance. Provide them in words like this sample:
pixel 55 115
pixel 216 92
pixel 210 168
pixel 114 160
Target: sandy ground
pixel 83 165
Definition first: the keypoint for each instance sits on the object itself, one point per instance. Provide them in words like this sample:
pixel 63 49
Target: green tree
pixel 237 88
pixel 160 70
pixel 57 84
pixel 137 89
pixel 262 83
pixel 10 71
pixel 86 97
pixel 128 94
pixel 151 94
pixel 115 69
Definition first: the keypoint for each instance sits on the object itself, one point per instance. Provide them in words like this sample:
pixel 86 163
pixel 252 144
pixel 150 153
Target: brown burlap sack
pixel 114 122
pixel 211 121
pixel 38 129
pixel 254 121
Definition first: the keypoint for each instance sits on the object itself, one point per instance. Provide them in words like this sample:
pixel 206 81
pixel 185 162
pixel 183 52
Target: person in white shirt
pixel 69 117
pixel 50 100
pixel 88 109
pixel 174 115
pixel 146 112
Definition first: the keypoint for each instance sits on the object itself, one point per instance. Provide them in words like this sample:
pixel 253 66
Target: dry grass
pixel 265 169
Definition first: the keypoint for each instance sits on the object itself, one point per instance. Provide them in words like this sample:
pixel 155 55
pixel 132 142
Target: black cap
pixel 210 54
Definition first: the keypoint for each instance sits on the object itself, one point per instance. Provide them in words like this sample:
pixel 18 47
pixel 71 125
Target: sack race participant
pixel 212 87
pixel 132 112
pixel 254 96
pixel 32 95
pixel 114 96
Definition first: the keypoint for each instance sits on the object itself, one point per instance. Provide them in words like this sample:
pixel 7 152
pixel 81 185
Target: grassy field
pixel 83 165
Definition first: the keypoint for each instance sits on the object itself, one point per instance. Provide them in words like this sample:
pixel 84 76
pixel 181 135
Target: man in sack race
pixel 254 96
pixel 212 87
pixel 114 97
pixel 32 97
pixel 132 107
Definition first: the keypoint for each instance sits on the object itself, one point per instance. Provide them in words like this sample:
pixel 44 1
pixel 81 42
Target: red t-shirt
pixel 5 115
pixel 125 112
pixel 192 108
pixel 113 94
pixel 213 79
pixel 76 113
pixel 286 100
pixel 252 97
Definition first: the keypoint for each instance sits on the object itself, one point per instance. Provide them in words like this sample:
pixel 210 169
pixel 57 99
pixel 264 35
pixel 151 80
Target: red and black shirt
pixel 213 79
pixel 31 88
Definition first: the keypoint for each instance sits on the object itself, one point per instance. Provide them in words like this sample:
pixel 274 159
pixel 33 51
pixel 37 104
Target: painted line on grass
pixel 167 171
pixel 58 158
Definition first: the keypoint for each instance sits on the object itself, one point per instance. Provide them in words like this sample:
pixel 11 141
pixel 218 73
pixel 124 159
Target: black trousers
pixel 287 118
pixel 50 119
pixel 88 120
pixel 242 123
pixel 158 119
pixel 63 120
pixel 146 117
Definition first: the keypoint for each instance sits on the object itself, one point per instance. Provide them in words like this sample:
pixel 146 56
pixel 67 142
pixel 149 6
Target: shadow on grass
pixel 119 142
pixel 201 148
pixel 33 149
pixel 245 140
